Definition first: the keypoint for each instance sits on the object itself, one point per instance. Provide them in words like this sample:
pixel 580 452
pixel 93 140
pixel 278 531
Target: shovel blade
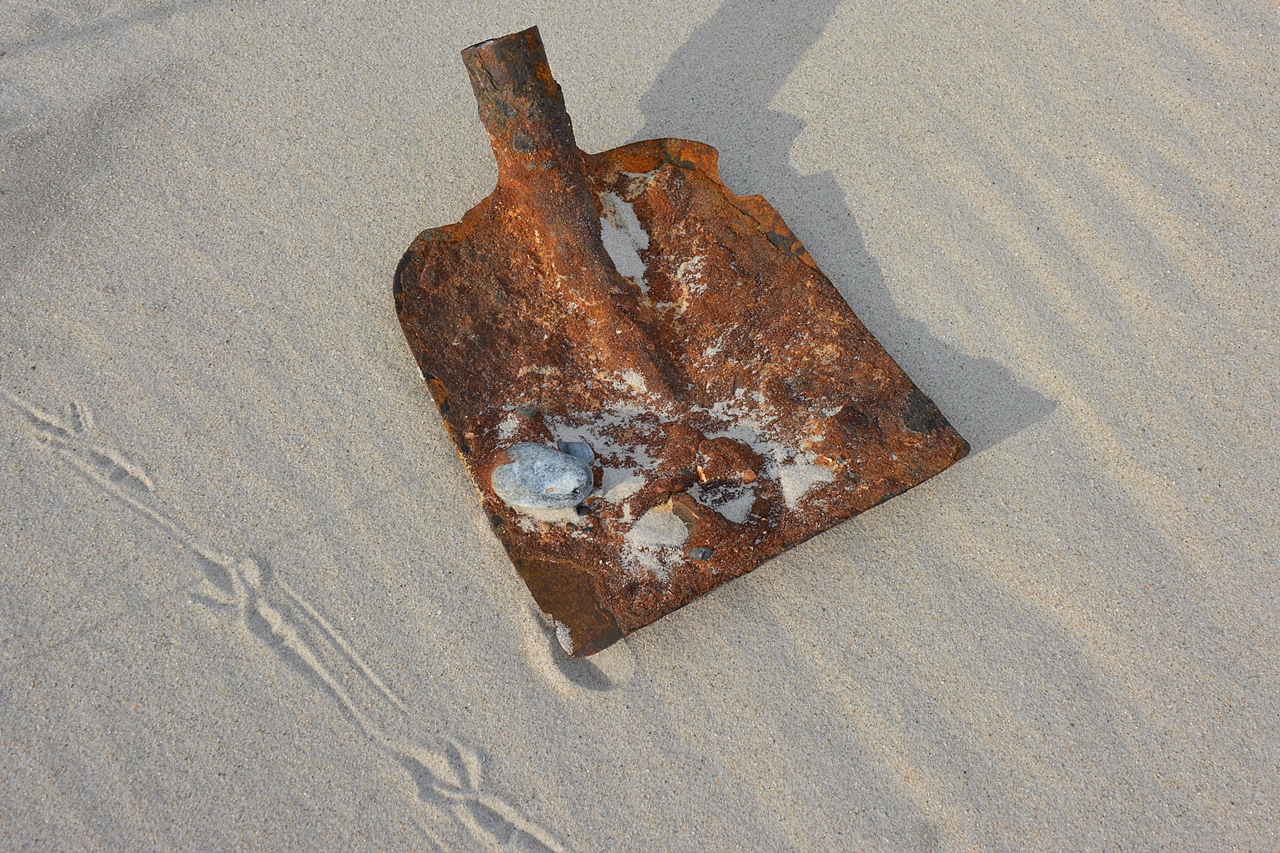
pixel 628 308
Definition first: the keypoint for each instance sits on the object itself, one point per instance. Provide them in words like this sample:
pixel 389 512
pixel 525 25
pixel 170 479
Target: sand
pixel 248 600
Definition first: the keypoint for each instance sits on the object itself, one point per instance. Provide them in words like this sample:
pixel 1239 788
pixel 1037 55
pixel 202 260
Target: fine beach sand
pixel 248 599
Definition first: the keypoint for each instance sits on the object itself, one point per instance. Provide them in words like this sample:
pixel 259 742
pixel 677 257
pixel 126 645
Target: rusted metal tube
pixel 543 185
pixel 522 107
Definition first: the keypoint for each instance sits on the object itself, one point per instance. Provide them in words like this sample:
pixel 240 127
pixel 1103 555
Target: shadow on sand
pixel 717 88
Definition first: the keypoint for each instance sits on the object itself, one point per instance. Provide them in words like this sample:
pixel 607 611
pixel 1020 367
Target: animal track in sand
pixel 449 778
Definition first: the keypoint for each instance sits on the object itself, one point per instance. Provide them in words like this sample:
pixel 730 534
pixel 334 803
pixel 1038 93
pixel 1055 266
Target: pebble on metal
pixel 540 477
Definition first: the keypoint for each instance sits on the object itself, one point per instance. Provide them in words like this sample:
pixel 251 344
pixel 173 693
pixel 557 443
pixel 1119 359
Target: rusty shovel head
pixel 651 382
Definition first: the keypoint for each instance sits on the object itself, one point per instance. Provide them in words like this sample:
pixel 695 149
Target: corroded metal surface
pixel 732 403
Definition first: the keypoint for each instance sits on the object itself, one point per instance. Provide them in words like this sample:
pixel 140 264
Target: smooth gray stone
pixel 540 477
pixel 580 449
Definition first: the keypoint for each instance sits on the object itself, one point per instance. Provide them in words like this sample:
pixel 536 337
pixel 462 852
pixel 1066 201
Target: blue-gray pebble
pixel 540 477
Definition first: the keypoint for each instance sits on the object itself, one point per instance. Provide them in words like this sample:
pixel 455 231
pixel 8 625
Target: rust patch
pixel 731 403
